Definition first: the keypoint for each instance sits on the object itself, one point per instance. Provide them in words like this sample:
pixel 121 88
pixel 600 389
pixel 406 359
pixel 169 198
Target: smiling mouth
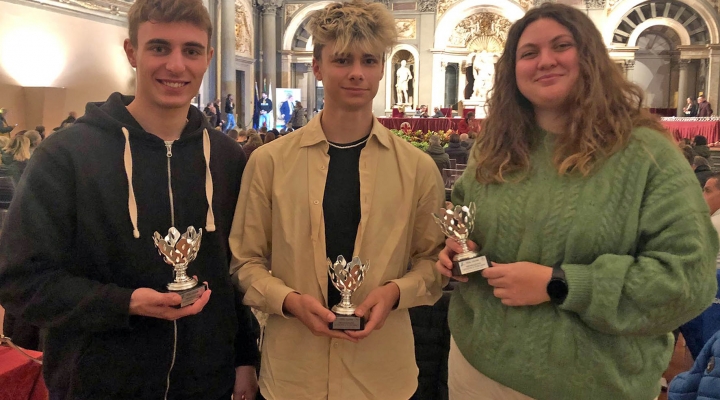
pixel 173 84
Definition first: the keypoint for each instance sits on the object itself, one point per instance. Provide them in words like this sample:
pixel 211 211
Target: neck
pixel 165 123
pixel 345 126
pixel 551 120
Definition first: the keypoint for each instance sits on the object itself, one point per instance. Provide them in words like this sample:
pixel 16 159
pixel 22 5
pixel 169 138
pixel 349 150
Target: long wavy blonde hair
pixel 603 107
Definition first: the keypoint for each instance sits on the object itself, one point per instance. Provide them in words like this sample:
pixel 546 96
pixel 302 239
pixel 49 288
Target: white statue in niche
pixel 483 72
pixel 403 77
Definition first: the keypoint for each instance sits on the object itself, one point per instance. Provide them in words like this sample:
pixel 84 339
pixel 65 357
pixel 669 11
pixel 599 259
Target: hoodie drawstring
pixel 132 203
pixel 210 220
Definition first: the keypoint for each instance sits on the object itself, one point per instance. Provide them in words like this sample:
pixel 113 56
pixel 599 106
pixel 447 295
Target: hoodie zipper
pixel 168 145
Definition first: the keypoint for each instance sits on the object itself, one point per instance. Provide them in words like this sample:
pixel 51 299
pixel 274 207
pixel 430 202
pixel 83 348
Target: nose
pixel 356 71
pixel 175 62
pixel 546 59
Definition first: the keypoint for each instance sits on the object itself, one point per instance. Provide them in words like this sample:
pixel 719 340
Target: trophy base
pixel 189 296
pixel 469 262
pixel 347 323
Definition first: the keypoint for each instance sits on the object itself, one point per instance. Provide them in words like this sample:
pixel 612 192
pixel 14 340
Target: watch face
pixel 557 290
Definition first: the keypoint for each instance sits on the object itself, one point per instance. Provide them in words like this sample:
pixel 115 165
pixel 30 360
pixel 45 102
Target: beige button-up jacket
pixel 280 217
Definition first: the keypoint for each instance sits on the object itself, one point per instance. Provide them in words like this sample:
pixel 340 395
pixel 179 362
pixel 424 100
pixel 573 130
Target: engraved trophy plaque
pixel 457 222
pixel 179 250
pixel 346 277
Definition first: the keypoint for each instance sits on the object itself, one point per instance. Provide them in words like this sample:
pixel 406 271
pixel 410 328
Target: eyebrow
pixel 167 43
pixel 555 39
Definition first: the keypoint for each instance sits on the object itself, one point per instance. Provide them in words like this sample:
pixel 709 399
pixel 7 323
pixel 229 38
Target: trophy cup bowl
pixel 179 250
pixel 346 277
pixel 457 222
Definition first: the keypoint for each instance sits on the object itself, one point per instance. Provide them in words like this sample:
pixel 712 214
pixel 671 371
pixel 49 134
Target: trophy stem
pixel 345 300
pixel 463 243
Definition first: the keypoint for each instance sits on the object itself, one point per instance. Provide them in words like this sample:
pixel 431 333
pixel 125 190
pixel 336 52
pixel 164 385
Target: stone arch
pixel 669 22
pixel 461 10
pixel 297 25
pixel 620 11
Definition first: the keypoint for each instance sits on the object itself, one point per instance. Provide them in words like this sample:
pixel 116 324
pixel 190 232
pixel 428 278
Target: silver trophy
pixel 457 222
pixel 179 250
pixel 347 277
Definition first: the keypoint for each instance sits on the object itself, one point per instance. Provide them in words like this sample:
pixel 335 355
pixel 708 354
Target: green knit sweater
pixel 638 250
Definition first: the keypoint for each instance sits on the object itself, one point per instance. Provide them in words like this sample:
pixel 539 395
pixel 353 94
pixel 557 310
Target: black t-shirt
pixel 341 205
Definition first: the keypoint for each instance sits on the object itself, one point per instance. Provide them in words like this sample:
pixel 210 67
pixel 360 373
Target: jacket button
pixel 711 365
pixel 316 202
pixel 323 167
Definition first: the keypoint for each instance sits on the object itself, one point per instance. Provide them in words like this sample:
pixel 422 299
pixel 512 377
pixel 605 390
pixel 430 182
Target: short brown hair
pixel 356 24
pixel 165 11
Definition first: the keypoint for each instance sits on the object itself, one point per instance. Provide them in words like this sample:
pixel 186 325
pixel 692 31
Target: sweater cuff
pixel 579 281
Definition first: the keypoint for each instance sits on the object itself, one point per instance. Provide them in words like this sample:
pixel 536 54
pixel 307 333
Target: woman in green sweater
pixel 601 241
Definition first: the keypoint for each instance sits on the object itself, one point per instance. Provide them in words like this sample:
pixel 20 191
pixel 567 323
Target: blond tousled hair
pixel 19 148
pixel 603 107
pixel 166 11
pixel 368 27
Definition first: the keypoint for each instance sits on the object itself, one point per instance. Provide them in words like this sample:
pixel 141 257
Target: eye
pixel 193 52
pixel 371 61
pixel 341 61
pixel 527 54
pixel 157 49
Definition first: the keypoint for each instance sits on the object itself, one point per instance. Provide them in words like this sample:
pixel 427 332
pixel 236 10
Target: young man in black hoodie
pixel 77 256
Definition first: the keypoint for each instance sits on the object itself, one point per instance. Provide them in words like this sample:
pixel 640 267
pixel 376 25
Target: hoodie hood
pixel 113 117
pixel 435 149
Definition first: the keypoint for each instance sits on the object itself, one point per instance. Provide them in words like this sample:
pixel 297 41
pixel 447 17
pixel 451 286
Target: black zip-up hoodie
pixel 74 247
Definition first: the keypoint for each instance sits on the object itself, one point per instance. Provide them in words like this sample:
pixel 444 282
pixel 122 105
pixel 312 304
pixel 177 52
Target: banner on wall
pixel 285 99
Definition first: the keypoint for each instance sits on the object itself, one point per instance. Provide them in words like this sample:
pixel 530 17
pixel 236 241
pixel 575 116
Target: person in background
pixel 599 240
pixel 299 117
pixel 212 114
pixel 230 112
pixel 701 166
pixel 254 141
pixel 437 152
pixel 704 108
pixel 266 109
pixel 72 117
pixel 269 137
pixel 700 147
pixel 438 113
pixel 464 124
pixel 5 127
pixel 35 139
pixel 242 137
pixel 691 108
pixel 455 150
pixel 16 155
pixel 41 130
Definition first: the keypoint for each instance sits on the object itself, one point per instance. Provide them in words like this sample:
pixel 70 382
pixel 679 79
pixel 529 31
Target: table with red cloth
pixel 690 129
pixel 426 124
pixel 20 378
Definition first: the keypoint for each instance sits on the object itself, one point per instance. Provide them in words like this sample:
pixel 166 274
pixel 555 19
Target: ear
pixel 130 52
pixel 316 69
pixel 211 53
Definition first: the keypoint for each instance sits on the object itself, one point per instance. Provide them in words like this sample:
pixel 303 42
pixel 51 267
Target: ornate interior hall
pixel 56 55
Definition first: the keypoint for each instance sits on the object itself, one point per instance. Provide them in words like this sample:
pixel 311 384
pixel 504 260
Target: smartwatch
pixel 557 288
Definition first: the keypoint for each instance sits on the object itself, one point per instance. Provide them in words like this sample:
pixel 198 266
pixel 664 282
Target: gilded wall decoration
pixel 291 9
pixel 443 6
pixel 427 5
pixel 405 28
pixel 478 25
pixel 526 4
pixel 113 9
pixel 243 30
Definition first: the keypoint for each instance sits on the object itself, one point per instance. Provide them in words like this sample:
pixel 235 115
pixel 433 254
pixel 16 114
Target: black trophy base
pixel 189 296
pixel 469 265
pixel 347 323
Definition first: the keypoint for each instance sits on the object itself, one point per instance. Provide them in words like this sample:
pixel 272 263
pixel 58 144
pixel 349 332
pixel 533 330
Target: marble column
pixel 682 86
pixel 207 89
pixel 227 43
pixel 713 76
pixel 310 99
pixel 629 66
pixel 269 38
